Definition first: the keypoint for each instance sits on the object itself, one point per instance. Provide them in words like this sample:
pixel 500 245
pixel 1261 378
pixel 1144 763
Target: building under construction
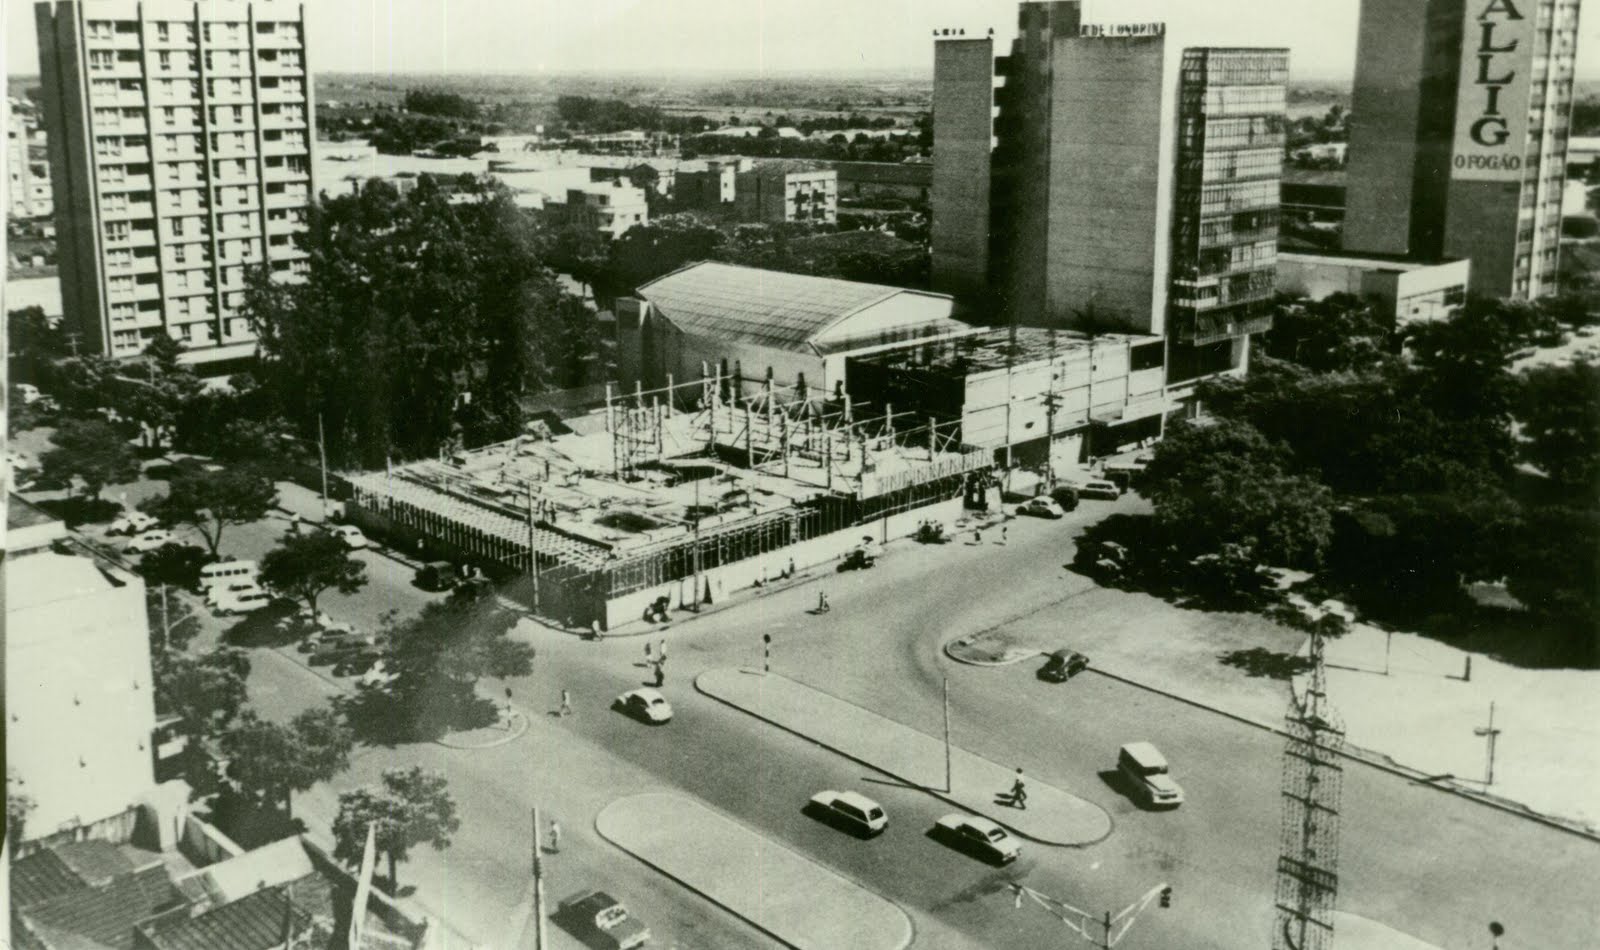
pixel 689 491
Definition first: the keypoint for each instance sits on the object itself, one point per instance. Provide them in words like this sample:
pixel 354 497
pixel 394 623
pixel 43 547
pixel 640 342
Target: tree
pixel 1335 334
pixel 91 450
pixel 1559 408
pixel 304 566
pixel 1551 566
pixel 83 384
pixel 211 501
pixel 648 251
pixel 206 691
pixel 410 807
pixel 580 252
pixel 154 390
pixel 270 761
pixel 35 341
pixel 438 658
pixel 171 619
pixel 1225 483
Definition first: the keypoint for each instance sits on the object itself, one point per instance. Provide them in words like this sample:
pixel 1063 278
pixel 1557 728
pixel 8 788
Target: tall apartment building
pixel 787 190
pixel 1459 135
pixel 180 149
pixel 1225 207
pixel 1079 180
pixel 27 169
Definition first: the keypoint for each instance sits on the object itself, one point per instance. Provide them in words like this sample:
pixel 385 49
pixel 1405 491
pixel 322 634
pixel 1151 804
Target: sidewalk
pixel 1548 747
pixel 1053 816
pixel 789 896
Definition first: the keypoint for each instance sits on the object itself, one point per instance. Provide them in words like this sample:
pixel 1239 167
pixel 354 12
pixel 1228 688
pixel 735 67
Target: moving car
pixel 133 522
pixel 351 536
pixel 149 541
pixel 978 836
pixel 243 601
pixel 852 810
pixel 600 920
pixel 1100 488
pixel 1041 507
pixel 1063 665
pixel 646 704
pixel 1146 770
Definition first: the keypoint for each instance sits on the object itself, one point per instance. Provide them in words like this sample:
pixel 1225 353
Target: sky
pixel 756 37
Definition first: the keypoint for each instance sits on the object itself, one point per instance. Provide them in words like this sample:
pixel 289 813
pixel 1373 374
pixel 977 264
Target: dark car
pixel 437 575
pixel 473 588
pixel 600 920
pixel 356 662
pixel 1063 665
pixel 1066 496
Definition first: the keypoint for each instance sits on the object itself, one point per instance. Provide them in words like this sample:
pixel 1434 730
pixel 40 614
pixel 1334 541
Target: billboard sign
pixel 1492 97
pixel 1101 30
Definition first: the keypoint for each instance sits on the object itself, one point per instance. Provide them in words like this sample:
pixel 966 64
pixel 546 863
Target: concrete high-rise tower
pixel 180 138
pixel 1458 135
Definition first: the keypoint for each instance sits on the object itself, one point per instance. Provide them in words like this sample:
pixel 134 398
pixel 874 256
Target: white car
pixel 379 675
pixel 30 393
pixel 243 601
pixel 134 522
pixel 351 536
pixel 853 810
pixel 1041 507
pixel 149 541
pixel 978 836
pixel 1100 488
pixel 219 592
pixel 646 704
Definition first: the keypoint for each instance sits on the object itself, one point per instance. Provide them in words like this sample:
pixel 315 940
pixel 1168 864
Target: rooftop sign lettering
pixel 1122 29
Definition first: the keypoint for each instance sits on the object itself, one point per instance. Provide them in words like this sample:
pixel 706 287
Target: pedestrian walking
pixel 822 602
pixel 1019 792
pixel 648 656
pixel 661 672
pixel 555 836
pixel 1003 530
pixel 566 704
pixel 977 536
pixel 661 651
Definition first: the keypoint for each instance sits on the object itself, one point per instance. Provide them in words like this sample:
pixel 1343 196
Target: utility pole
pixel 533 553
pixel 947 778
pixel 696 604
pixel 1490 735
pixel 538 885
pixel 166 628
pixel 322 457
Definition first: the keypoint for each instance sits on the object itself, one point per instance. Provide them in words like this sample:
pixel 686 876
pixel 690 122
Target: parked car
pixel 149 541
pixel 379 675
pixel 645 704
pixel 851 810
pixel 30 393
pixel 859 558
pixel 473 588
pixel 332 652
pixel 1063 665
pixel 1041 507
pixel 335 639
pixel 359 661
pixel 133 522
pixel 1099 488
pixel 351 536
pixel 599 920
pixel 437 575
pixel 978 836
pixel 233 588
pixel 243 601
pixel 1145 768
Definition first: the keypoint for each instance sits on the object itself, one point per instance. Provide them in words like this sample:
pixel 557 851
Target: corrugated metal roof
pixel 257 922
pixel 105 916
pixel 762 307
pixel 39 877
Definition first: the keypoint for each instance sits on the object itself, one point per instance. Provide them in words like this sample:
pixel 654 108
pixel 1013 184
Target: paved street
pixel 879 647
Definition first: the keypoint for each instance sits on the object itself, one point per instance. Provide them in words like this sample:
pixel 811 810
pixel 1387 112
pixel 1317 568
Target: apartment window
pixel 180 253
pixel 104 87
pixel 101 30
pixel 163 33
pixel 108 147
pixel 119 260
pixel 290 58
pixel 116 230
pixel 102 60
pixel 238 114
pixel 164 61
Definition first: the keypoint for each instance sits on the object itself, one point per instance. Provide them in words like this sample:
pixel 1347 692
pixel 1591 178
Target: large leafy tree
pixel 648 251
pixel 438 658
pixel 1552 567
pixel 213 500
pixel 1559 409
pixel 154 389
pixel 92 450
pixel 409 808
pixel 443 302
pixel 34 340
pixel 206 692
pixel 270 760
pixel 1338 333
pixel 1225 483
pixel 304 566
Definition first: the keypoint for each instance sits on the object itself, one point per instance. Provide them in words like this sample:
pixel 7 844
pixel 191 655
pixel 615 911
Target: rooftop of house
pixel 782 167
pixel 998 349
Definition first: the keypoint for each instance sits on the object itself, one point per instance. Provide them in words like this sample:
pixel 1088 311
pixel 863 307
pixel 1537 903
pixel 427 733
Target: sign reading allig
pixel 1492 97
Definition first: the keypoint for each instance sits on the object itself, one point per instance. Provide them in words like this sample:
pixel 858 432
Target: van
pixel 226 572
pixel 1099 488
pixel 1145 769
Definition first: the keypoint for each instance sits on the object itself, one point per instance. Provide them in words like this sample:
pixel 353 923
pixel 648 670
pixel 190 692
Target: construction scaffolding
pixel 1313 783
pixel 680 481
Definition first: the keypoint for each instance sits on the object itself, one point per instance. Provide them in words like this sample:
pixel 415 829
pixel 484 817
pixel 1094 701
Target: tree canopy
pixel 303 566
pixel 269 761
pixel 92 450
pixel 213 500
pixel 408 808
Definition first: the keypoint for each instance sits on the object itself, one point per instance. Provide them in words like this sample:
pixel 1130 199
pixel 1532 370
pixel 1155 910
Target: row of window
pixel 1244 100
pixel 1243 163
pixel 1239 196
pixel 169 31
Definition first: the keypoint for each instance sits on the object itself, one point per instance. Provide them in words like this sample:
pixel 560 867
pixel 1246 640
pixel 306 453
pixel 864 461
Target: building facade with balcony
pixel 1459 149
pixel 180 137
pixel 787 190
pixel 1225 207
pixel 27 167
pixel 610 209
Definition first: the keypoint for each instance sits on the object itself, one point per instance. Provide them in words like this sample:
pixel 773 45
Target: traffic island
pixel 1052 816
pixel 791 897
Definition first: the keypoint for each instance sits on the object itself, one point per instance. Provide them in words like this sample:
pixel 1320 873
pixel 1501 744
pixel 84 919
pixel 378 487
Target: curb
pixel 1377 761
pixel 1111 821
pixel 519 726
pixel 911 924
